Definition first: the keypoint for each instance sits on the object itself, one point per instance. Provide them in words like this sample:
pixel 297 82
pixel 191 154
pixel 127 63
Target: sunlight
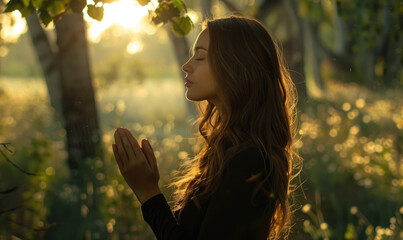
pixel 134 47
pixel 13 25
pixel 127 13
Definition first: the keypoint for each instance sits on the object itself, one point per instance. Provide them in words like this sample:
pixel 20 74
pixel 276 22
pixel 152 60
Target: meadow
pixel 351 140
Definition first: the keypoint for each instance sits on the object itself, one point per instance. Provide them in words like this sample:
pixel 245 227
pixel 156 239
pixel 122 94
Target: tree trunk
pixel 313 54
pixel 78 101
pixel 294 48
pixel 2 6
pixel 339 33
pixel 384 46
pixel 69 81
pixel 46 57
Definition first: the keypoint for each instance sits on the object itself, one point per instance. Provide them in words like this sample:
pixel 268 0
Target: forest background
pixel 345 57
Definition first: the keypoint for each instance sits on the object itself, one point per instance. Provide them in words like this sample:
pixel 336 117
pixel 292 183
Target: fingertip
pixel 149 144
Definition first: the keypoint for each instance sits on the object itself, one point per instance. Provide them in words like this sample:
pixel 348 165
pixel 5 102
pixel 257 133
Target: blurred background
pixel 66 87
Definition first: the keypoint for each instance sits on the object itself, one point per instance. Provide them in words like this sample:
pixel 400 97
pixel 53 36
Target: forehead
pixel 202 40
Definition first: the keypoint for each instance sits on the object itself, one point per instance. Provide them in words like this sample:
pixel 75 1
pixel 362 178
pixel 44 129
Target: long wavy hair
pixel 257 108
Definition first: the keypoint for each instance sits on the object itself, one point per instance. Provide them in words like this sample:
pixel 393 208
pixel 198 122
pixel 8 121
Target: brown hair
pixel 257 104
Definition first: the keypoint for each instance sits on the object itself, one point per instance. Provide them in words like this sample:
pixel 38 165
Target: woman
pixel 237 186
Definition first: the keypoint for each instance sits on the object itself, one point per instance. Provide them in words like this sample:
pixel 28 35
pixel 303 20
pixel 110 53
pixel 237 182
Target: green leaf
pixel 25 12
pixel 143 2
pixel 96 13
pixel 25 2
pixel 37 3
pixel 45 17
pixel 78 5
pixel 56 8
pixel 182 25
pixel 179 5
pixel 165 12
pixel 13 5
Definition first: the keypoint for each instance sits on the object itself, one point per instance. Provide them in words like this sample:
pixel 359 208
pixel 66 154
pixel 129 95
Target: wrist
pixel 149 194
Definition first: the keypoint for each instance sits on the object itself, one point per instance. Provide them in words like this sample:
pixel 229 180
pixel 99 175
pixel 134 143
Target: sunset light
pixel 13 25
pixel 127 13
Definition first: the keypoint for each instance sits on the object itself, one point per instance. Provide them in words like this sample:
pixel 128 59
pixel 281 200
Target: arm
pixel 157 213
pixel 231 214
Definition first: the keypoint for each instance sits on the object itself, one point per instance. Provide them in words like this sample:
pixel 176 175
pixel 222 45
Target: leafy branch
pixel 173 11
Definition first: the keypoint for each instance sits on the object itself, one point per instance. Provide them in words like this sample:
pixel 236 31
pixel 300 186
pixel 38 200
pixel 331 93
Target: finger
pixel 134 144
pixel 117 156
pixel 150 154
pixel 146 152
pixel 143 150
pixel 120 149
pixel 128 147
pixel 115 152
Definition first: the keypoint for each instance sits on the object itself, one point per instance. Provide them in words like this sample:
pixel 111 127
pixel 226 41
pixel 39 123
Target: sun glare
pixel 127 13
pixel 134 47
pixel 13 26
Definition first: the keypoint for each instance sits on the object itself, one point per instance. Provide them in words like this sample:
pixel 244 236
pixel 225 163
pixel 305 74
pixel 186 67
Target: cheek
pixel 206 73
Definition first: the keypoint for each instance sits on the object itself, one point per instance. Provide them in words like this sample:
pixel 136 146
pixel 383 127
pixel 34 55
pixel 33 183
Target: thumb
pixel 149 152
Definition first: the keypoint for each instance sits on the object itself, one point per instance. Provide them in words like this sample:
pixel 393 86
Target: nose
pixel 186 66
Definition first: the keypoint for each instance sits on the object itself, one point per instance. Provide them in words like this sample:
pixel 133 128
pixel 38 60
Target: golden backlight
pixel 127 13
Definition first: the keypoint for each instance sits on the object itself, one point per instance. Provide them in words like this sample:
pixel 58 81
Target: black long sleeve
pixel 230 213
pixel 157 213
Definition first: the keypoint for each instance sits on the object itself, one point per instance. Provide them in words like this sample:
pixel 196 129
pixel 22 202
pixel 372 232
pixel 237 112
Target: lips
pixel 188 83
pixel 187 80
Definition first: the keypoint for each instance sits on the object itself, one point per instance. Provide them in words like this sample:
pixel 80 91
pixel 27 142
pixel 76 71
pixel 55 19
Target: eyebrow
pixel 200 47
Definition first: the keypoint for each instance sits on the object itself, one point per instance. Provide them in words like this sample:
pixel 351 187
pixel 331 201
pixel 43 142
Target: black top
pixel 227 214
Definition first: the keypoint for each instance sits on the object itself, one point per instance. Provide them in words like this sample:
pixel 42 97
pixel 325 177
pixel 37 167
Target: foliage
pixel 173 11
pixel 29 179
pixel 38 145
pixel 352 145
pixel 360 41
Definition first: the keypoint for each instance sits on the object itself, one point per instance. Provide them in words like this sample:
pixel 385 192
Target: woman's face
pixel 200 82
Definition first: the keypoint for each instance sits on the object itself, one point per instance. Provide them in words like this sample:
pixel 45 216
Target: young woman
pixel 238 185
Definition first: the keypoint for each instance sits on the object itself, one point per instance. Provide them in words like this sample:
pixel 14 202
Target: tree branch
pixel 9 210
pixel 9 190
pixel 16 166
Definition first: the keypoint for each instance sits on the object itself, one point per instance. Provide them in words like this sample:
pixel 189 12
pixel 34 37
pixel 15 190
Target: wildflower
pixel 354 210
pixel 306 208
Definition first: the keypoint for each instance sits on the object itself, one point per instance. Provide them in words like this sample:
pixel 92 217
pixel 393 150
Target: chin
pixel 193 99
pixel 197 97
pixel 190 97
